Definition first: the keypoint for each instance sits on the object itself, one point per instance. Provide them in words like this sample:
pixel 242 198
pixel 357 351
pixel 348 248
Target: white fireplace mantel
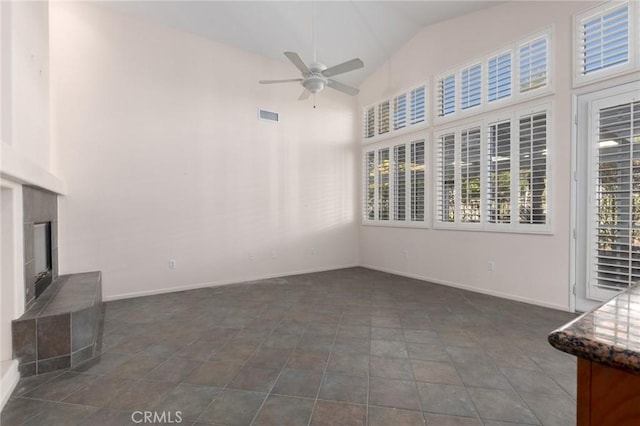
pixel 18 168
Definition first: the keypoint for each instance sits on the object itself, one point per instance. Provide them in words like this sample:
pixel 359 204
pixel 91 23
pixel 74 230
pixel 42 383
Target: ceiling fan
pixel 315 76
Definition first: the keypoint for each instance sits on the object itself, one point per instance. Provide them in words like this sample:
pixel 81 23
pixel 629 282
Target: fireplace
pixel 62 322
pixel 40 209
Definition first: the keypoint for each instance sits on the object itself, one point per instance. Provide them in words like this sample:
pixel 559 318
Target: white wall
pixel 532 268
pixel 24 153
pixel 157 138
pixel 25 97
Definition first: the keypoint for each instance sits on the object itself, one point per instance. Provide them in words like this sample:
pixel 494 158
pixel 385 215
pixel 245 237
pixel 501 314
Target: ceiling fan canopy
pixel 315 77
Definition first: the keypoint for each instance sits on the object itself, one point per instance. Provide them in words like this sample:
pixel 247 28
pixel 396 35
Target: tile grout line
pixel 279 374
pixel 413 374
pixel 241 367
pixel 326 366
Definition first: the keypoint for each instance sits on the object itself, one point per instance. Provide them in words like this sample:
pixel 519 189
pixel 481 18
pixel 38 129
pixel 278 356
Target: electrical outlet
pixel 405 253
pixel 274 254
pixel 251 256
pixel 172 264
pixel 491 266
pixel 312 251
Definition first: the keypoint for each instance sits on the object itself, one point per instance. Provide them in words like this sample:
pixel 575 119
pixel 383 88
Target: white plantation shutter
pixel 383 118
pixel 383 184
pixel 394 184
pixel 532 142
pixel 418 104
pixel 446 95
pixel 445 178
pixel 400 111
pixel 417 181
pixel 369 178
pixel 369 122
pixel 533 64
pixel 499 77
pixel 499 173
pixel 615 193
pixel 470 171
pixel 604 39
pixel 471 87
pixel 400 182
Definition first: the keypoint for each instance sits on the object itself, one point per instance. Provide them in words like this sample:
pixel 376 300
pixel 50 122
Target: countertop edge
pixel 606 354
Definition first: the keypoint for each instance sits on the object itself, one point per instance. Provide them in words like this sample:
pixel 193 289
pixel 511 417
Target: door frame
pixel 580 105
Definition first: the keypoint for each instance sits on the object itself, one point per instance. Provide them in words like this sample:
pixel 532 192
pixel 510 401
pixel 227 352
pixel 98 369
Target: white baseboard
pixel 8 380
pixel 473 289
pixel 238 280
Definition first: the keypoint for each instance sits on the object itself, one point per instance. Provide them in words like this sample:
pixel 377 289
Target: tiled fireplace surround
pixel 60 329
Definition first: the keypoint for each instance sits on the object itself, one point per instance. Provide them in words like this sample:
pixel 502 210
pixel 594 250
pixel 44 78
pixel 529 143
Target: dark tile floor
pixel 346 347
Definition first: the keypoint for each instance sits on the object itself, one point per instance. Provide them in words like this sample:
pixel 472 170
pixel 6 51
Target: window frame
pixel 515 97
pixel 513 115
pixel 391 144
pixel 632 65
pixel 408 127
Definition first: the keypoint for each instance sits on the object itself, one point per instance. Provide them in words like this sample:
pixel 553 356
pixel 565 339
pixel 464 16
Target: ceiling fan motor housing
pixel 314 81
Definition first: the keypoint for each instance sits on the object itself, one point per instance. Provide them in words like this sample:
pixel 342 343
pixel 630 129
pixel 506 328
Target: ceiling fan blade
pixel 351 65
pixel 297 61
pixel 351 91
pixel 304 95
pixel 279 81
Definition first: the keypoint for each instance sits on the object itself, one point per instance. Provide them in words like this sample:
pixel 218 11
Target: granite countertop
pixel 609 334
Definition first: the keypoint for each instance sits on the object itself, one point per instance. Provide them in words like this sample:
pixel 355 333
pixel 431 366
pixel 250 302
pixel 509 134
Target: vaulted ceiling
pixel 371 30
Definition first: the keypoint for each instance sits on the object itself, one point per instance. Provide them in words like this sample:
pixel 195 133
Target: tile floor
pixel 346 347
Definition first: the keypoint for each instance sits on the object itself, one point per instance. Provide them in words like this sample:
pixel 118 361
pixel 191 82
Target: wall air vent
pixel 268 115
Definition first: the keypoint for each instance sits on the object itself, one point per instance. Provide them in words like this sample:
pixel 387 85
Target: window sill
pixel 391 224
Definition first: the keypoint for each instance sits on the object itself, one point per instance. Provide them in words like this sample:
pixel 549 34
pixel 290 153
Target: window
pixel 490 177
pixel 400 182
pixel 533 64
pixel 370 123
pixel 604 41
pixel 383 184
pixel 533 169
pixel 471 87
pixel 516 72
pixel 469 168
pixel 417 181
pixel 395 184
pixel 445 192
pixel 418 99
pixel 447 95
pixel 370 182
pixel 383 118
pixel 499 173
pixel 401 113
pixel 499 77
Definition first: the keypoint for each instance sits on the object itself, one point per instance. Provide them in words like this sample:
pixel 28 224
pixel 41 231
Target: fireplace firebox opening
pixel 42 256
